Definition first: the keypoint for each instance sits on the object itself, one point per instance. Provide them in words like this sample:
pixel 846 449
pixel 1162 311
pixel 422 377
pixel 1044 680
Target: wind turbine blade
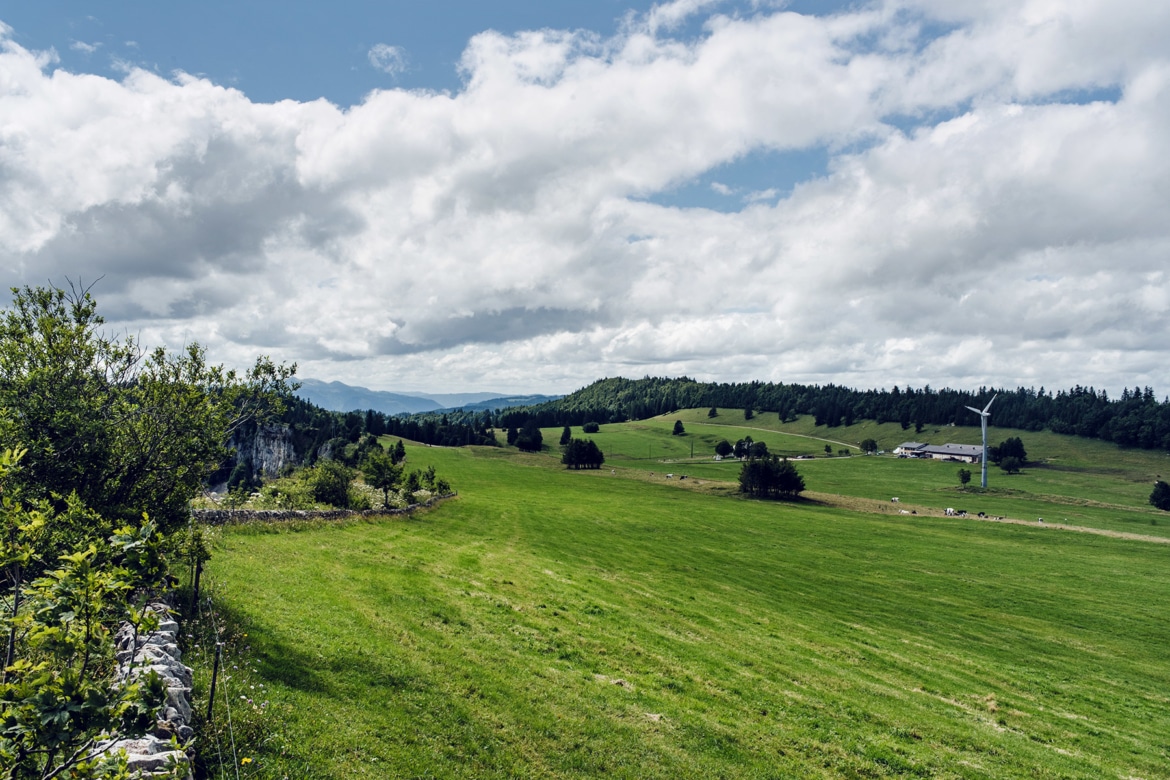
pixel 972 408
pixel 989 403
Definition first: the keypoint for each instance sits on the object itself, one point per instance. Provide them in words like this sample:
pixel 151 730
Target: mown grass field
pixel 565 624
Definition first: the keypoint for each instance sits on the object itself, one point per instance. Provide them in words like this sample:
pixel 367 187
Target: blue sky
pixel 528 196
pixel 291 50
pixel 303 51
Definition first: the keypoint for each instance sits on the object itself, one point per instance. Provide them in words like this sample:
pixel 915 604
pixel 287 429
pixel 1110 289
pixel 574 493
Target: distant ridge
pixel 340 397
pixel 506 401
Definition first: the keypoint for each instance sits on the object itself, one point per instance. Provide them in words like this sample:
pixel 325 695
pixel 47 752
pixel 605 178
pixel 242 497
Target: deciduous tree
pixel 128 430
pixel 381 473
pixel 1011 464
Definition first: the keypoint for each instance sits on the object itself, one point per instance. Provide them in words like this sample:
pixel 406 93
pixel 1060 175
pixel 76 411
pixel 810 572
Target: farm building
pixel 909 448
pixel 966 453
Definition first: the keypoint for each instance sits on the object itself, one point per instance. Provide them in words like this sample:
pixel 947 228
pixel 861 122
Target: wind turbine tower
pixel 983 420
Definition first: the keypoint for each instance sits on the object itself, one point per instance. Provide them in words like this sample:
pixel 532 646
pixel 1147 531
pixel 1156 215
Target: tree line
pixel 1136 418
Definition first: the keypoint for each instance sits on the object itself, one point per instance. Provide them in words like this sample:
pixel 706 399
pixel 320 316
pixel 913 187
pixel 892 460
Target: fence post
pixel 195 589
pixel 214 677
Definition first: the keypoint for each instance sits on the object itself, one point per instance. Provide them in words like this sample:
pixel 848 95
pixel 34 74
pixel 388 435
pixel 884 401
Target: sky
pixel 525 196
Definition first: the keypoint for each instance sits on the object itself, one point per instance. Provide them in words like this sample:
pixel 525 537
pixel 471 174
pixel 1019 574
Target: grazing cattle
pixel 684 476
pixel 894 499
pixel 1040 520
pixel 670 476
pixel 903 511
pixel 950 512
pixel 982 515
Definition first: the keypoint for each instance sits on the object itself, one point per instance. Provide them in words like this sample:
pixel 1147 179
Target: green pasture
pixel 1069 480
pixel 649 444
pixel 549 623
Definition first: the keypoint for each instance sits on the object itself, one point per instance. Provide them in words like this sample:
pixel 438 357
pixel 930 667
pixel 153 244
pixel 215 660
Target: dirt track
pixel 1078 528
pixel 885 507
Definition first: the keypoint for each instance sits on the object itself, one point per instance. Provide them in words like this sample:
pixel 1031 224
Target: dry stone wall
pixel 227 516
pixel 157 651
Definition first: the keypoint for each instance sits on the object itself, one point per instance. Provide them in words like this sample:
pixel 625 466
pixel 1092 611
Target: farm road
pixel 784 433
pixel 884 507
pixel 1079 528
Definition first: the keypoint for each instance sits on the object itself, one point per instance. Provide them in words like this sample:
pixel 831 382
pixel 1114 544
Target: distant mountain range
pixel 340 397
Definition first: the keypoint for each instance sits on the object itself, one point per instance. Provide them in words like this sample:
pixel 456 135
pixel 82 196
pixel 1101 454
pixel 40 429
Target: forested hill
pixel 1136 419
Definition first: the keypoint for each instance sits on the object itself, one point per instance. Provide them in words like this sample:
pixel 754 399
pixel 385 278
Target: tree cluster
pixel 770 477
pixel 529 438
pixel 749 448
pixel 128 430
pixel 1008 448
pixel 582 454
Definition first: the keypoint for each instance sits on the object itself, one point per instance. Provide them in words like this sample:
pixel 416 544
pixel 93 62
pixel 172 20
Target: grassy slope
pixel 555 624
pixel 1075 481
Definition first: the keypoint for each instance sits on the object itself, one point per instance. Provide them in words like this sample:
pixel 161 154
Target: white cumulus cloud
pixel 992 212
pixel 388 59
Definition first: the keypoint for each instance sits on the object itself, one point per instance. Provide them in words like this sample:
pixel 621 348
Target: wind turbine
pixel 983 420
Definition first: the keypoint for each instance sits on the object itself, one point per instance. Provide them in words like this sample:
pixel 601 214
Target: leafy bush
pixel 1160 497
pixel 330 480
pixel 57 697
pixel 292 492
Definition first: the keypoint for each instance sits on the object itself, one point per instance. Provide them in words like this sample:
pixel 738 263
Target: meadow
pixel 549 623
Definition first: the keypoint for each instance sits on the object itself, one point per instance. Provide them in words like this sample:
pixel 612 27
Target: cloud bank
pixel 993 210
